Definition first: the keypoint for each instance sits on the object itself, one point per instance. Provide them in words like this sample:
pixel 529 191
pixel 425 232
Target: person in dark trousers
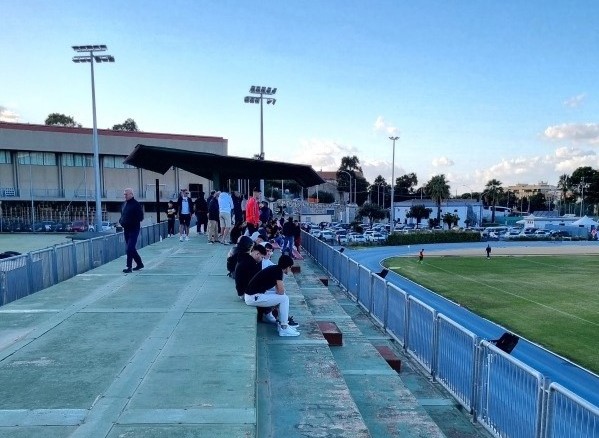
pixel 488 250
pixel 171 213
pixel 201 211
pixel 421 256
pixel 131 216
pixel 288 232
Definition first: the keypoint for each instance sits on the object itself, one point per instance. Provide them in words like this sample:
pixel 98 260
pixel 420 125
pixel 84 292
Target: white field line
pixel 516 295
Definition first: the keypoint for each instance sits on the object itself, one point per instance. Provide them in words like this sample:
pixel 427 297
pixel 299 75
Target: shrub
pixel 436 237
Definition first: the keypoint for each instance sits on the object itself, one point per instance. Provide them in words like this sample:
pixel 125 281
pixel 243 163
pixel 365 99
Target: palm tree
pixel 564 186
pixel 491 193
pixel 438 190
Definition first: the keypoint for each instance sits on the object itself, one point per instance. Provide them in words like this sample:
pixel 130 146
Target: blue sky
pixel 475 89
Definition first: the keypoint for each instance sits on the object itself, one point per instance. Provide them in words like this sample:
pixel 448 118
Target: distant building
pixel 527 190
pixel 51 168
pixel 465 209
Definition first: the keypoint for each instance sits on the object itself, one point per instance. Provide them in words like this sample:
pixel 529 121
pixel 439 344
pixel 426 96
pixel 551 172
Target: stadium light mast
pixel 91 58
pixel 259 95
pixel 392 212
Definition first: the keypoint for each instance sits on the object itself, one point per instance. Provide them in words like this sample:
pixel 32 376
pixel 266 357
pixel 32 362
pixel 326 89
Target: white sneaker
pixel 180 238
pixel 288 331
pixel 269 317
pixel 187 238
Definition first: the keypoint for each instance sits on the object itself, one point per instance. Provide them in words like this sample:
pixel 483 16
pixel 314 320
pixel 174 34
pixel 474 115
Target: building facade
pixel 50 170
pixel 469 211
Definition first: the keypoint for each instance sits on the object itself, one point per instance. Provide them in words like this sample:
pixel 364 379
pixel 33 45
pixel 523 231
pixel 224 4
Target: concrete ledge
pixel 390 357
pixel 331 333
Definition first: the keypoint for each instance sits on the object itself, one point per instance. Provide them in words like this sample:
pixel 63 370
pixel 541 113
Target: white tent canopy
pixel 584 221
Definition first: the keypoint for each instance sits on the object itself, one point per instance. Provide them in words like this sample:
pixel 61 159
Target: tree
pixel 351 165
pixel 371 211
pixel 57 119
pixel 450 219
pixel 419 212
pixel 585 183
pixel 127 125
pixel 491 194
pixel 404 185
pixel 324 197
pixel 375 190
pixel 438 190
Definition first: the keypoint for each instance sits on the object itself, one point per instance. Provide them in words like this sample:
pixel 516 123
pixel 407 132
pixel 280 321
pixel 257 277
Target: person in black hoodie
pixel 201 211
pixel 131 216
pixel 213 218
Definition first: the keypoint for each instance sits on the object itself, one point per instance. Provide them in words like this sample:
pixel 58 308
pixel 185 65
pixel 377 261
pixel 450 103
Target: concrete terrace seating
pixel 171 351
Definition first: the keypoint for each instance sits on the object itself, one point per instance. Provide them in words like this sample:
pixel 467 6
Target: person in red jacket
pixel 252 212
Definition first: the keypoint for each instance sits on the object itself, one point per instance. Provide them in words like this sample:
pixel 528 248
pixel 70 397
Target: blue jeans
pixel 287 245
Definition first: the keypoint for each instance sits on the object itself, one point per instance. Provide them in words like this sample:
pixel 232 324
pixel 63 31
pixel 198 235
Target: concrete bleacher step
pixel 346 390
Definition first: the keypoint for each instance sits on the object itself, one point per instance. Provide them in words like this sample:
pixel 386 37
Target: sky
pixel 475 90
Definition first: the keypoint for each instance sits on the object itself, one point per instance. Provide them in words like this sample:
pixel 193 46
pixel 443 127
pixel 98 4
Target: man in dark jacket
pixel 213 218
pixel 131 216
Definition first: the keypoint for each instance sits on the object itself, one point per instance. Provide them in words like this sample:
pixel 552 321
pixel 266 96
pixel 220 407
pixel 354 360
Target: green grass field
pixel 550 300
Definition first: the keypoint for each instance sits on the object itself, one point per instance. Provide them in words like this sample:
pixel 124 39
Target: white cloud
pixel 320 154
pixel 442 162
pixel 381 125
pixel 577 132
pixel 575 101
pixel 7 115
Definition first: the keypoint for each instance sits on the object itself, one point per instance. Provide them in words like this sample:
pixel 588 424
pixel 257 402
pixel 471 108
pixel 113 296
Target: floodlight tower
pixel 260 94
pixel 91 57
pixel 392 212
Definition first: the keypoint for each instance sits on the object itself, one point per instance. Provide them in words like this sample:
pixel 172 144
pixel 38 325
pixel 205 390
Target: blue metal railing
pixel 509 398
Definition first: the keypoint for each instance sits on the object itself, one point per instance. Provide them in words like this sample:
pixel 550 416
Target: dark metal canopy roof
pixel 219 167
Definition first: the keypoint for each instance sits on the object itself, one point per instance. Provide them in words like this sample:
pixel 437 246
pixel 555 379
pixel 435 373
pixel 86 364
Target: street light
pixel 260 92
pixel 99 59
pixel 581 186
pixel 392 213
pixel 349 187
pixel 469 188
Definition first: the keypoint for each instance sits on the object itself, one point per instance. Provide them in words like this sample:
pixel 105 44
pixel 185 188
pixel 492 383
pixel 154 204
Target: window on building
pixel 37 158
pixel 5 157
pixel 115 162
pixel 76 160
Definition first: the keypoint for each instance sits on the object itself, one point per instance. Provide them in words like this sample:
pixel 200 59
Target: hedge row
pixel 435 237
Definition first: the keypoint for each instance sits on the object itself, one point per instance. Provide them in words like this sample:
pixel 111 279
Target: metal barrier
pixel 563 406
pixel 509 398
pixel 29 273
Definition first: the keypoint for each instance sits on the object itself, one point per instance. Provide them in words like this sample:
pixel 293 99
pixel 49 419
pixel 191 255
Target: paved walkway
pixel 170 351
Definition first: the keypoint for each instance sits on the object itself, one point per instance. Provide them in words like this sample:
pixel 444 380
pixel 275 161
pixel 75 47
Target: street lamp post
pixel 349 186
pixel 392 212
pixel 91 58
pixel 259 93
pixel 581 186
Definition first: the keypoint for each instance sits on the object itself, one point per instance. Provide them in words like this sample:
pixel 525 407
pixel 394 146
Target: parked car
pixel 327 235
pixel 378 237
pixel 108 226
pixel 356 238
pixel 80 226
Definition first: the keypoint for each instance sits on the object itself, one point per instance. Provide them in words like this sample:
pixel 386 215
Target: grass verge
pixel 551 300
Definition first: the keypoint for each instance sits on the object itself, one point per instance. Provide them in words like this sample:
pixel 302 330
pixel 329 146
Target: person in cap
pixel 266 289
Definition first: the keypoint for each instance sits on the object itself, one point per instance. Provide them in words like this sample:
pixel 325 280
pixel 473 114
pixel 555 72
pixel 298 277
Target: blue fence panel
pixel 344 271
pixel 14 283
pixel 456 360
pixel 364 288
pixel 353 282
pixel 41 265
pixel 421 332
pixel 569 416
pixel 397 313
pixel 379 299
pixel 510 396
pixel 64 262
